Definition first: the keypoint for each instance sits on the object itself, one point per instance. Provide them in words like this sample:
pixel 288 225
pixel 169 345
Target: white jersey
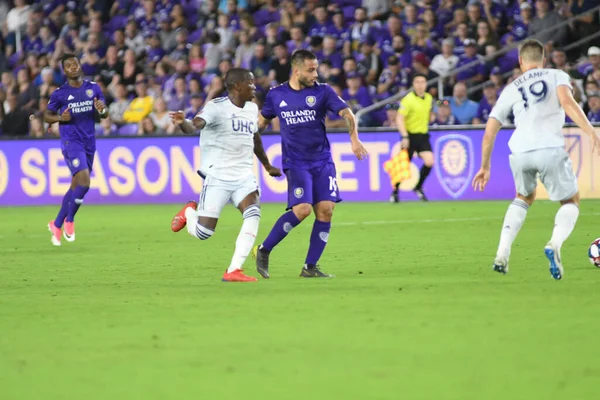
pixel 539 117
pixel 227 140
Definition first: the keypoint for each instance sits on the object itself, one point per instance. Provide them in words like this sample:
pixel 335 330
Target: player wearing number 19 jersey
pixel 538 99
pixel 301 105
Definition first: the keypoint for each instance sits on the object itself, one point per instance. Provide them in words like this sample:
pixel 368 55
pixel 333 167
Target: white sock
pixel 246 238
pixel 564 223
pixel 513 221
pixel 194 228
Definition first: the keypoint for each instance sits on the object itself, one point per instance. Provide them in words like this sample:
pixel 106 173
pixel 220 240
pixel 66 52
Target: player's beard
pixel 306 82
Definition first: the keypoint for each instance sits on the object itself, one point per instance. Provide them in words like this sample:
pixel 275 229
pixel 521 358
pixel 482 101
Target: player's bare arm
pixel 51 117
pixel 101 107
pixel 402 129
pixel 259 152
pixel 574 111
pixel 483 176
pixel 187 126
pixel 357 147
pixel 263 123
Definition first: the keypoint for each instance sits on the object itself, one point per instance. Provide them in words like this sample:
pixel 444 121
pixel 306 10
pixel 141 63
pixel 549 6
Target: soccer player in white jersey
pixel 538 99
pixel 228 141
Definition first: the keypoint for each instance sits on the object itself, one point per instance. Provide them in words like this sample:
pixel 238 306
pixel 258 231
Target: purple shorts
pixel 312 185
pixel 79 158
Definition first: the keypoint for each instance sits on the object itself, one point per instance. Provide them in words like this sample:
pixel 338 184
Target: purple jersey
pixel 594 117
pixel 484 110
pixel 302 119
pixel 80 101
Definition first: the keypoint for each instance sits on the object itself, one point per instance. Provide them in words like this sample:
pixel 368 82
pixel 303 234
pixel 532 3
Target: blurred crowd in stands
pixel 152 56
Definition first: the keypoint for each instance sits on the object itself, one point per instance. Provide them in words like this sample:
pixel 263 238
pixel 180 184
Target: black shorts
pixel 418 143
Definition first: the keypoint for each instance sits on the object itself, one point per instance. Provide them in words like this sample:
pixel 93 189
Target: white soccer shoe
pixel 501 265
pixel 553 255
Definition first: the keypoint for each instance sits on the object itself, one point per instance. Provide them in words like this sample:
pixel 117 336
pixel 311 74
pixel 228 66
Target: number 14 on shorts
pixel 333 186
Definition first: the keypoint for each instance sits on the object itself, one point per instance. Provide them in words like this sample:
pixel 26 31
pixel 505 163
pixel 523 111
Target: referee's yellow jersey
pixel 416 111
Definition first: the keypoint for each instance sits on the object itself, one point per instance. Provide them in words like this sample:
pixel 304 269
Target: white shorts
pixel 216 193
pixel 554 168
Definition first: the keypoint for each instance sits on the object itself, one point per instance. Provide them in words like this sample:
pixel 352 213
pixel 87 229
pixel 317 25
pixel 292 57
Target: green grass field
pixel 134 311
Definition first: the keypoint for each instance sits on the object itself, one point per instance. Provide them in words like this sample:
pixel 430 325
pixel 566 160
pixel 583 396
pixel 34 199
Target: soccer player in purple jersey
pixel 301 105
pixel 74 106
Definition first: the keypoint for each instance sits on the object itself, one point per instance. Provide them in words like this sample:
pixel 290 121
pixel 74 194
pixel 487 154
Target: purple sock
pixel 64 208
pixel 282 227
pixel 318 241
pixel 77 196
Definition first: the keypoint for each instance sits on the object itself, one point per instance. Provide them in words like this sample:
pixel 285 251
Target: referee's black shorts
pixel 418 143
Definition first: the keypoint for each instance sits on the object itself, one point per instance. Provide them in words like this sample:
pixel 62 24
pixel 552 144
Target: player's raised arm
pixel 187 126
pixel 357 147
pixel 574 111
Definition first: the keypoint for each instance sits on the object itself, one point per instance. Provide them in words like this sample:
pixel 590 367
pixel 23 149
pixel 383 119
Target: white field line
pixel 347 223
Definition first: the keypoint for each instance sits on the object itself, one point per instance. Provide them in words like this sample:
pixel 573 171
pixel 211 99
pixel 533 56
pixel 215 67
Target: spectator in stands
pixel 463 108
pixel 594 107
pixel 339 30
pixel 393 79
pixel 213 53
pixel 133 38
pixel 181 51
pixel 543 27
pixel 497 79
pixel 400 50
pixel 443 64
pixel 474 14
pixel 460 37
pixel 130 71
pixel 443 115
pixel 411 19
pixel 244 52
pixel 360 30
pixel 584 25
pixel 321 25
pixel 368 63
pixel 47 80
pixel 196 102
pixel 180 100
pixel 493 13
pixel 291 15
pixel 520 28
pixel 594 61
pixel 260 65
pixel 28 94
pixel 160 117
pixel 350 65
pixel 435 29
pixel 475 73
pixel 142 105
pixel 357 97
pixel 331 54
pixel 147 127
pixel 225 32
pixel 16 121
pixel 391 113
pixel 37 128
pixel 376 9
pixel 485 37
pixel 16 19
pixel 116 109
pixel 280 66
pixel 385 37
pixel 490 97
pixel 558 60
pixel 420 66
pixel 422 42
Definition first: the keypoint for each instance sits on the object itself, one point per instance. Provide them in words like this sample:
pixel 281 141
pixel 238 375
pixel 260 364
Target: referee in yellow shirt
pixel 413 123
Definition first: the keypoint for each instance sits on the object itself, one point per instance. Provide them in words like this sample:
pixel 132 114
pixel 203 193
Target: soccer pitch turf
pixel 134 311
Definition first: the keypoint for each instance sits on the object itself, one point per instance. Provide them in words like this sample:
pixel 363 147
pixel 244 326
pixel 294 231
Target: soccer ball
pixel 594 253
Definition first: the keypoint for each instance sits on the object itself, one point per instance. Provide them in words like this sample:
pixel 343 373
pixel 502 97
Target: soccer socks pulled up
pixel 564 223
pixel 318 241
pixel 64 209
pixel 280 230
pixel 76 201
pixel 194 228
pixel 246 238
pixel 423 174
pixel 513 221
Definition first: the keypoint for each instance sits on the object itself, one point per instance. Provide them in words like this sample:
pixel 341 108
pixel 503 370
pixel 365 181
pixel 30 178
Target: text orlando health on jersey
pixel 299 116
pixel 81 106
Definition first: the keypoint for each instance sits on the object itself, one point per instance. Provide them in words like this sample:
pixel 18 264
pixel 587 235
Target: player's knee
pixel 324 213
pixel 251 212
pixel 302 211
pixel 574 200
pixel 529 199
pixel 82 178
pixel 204 233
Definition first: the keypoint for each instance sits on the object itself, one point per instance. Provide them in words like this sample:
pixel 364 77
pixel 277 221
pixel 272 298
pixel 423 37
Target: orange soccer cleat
pixel 56 232
pixel 238 276
pixel 179 221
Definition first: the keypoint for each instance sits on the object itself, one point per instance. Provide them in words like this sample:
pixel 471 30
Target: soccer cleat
pixel 179 221
pixel 501 265
pixel 553 255
pixel 262 261
pixel 394 197
pixel 237 276
pixel 55 238
pixel 421 195
pixel 313 271
pixel 69 231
